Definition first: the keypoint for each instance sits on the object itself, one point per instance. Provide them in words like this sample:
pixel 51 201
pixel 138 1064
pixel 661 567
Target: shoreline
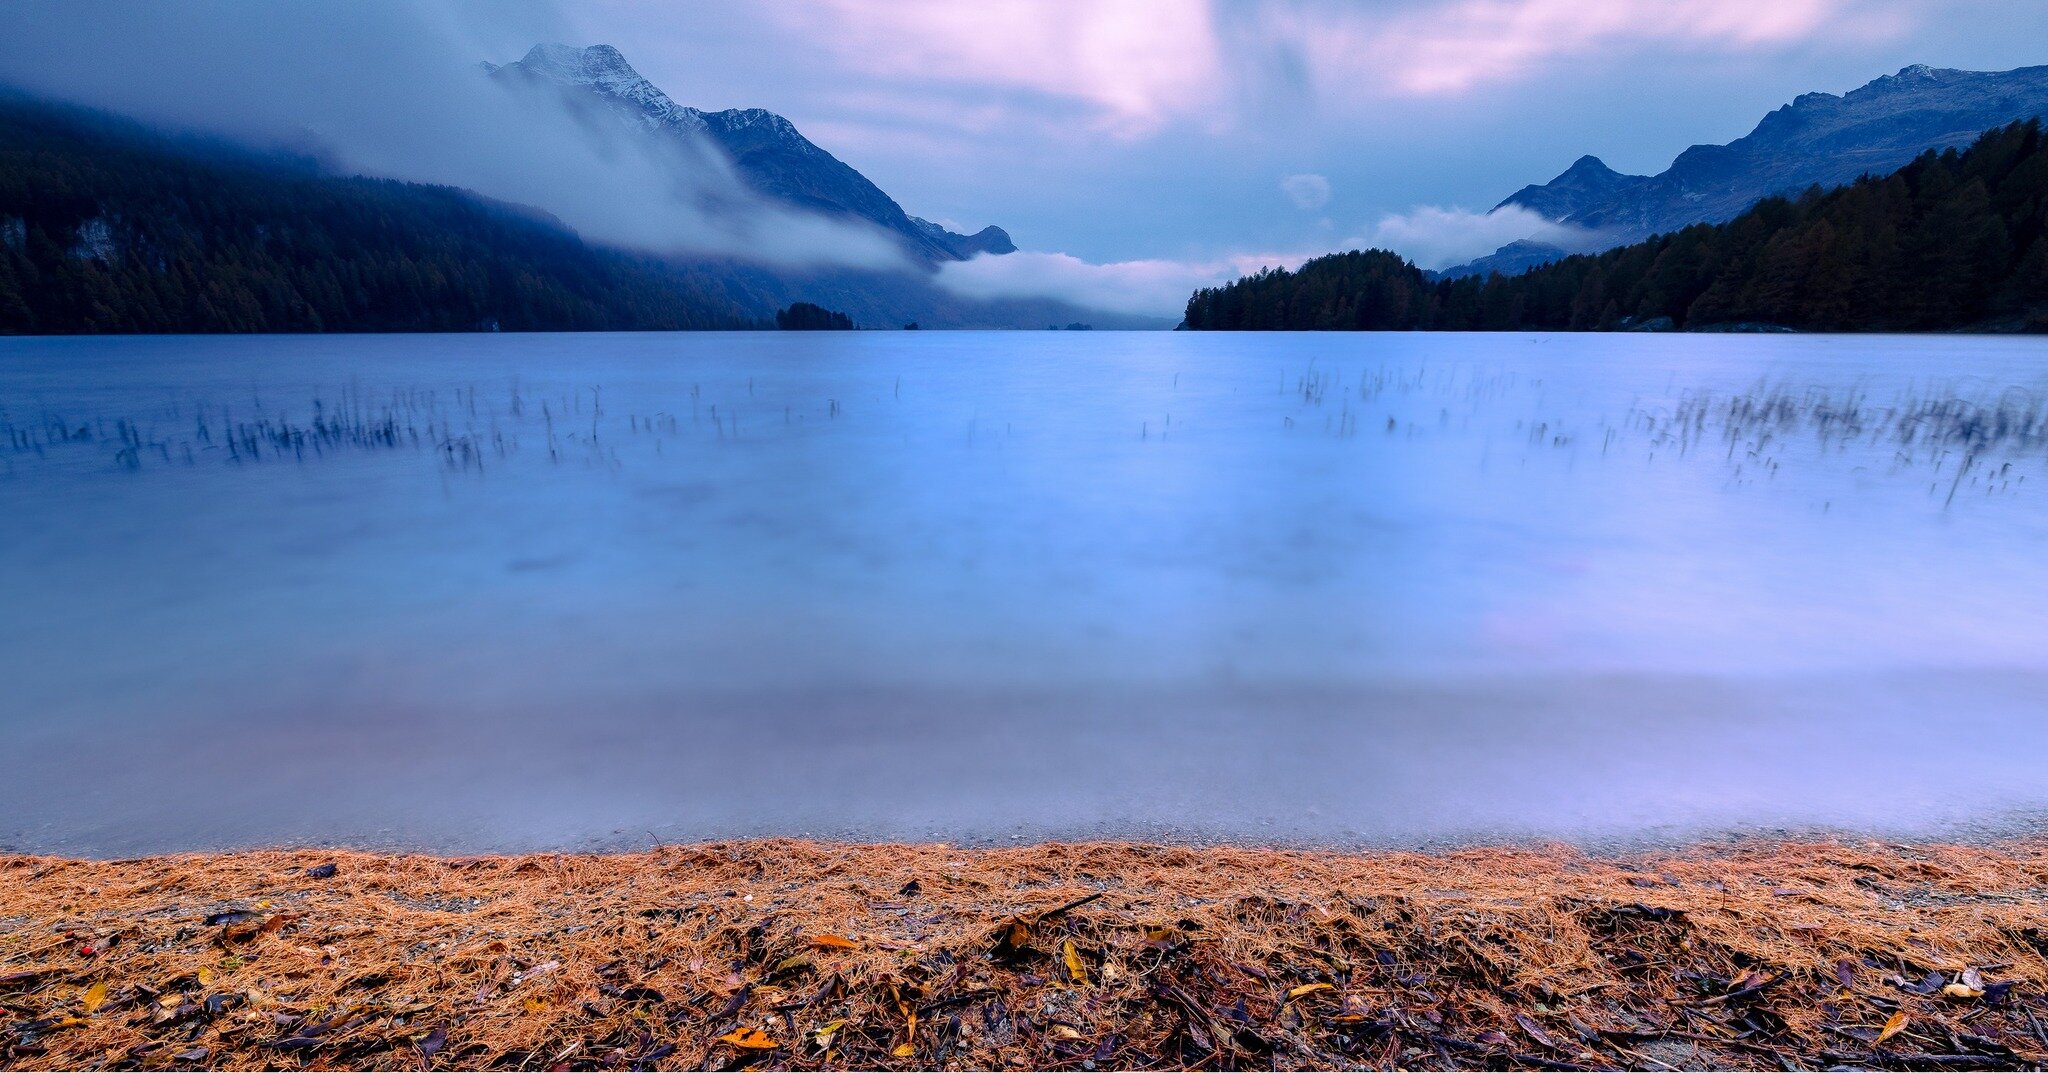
pixel 788 954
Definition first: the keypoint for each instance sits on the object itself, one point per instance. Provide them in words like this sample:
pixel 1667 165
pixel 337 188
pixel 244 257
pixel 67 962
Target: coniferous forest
pixel 1954 240
pixel 106 226
pixel 811 317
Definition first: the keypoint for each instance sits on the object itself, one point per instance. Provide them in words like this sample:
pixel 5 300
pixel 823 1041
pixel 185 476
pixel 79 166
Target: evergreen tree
pixel 806 317
pixel 106 226
pixel 1952 240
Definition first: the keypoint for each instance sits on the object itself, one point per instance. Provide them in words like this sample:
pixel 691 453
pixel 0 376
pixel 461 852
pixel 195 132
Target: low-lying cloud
pixel 1435 237
pixel 1154 287
pixel 1430 236
pixel 394 89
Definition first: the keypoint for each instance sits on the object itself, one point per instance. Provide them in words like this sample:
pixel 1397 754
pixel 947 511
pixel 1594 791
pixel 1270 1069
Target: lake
pixel 519 592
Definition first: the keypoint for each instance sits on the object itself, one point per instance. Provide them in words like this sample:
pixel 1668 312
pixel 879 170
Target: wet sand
pixel 1606 762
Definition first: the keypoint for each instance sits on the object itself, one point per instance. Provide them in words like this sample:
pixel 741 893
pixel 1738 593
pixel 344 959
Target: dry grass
pixel 802 955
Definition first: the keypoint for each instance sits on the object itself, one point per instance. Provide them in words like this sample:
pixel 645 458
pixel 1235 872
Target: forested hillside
pixel 1952 240
pixel 108 227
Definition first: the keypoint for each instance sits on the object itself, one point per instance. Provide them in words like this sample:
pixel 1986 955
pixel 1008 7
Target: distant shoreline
pixel 796 954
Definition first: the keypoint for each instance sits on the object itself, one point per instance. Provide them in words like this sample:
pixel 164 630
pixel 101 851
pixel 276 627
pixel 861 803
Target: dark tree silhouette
pixel 106 226
pixel 1952 240
pixel 805 317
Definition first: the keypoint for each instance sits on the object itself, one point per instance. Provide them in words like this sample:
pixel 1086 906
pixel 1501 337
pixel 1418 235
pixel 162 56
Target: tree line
pixel 1952 240
pixel 811 317
pixel 106 226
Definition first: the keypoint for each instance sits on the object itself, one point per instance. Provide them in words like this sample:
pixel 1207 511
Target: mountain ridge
pixel 1953 241
pixel 1816 139
pixel 766 149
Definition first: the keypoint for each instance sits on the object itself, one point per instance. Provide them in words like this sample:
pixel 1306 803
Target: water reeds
pixel 1956 438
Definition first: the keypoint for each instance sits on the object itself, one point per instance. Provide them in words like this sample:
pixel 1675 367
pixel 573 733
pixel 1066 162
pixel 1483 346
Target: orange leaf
pixel 1310 989
pixel 834 942
pixel 95 997
pixel 750 1039
pixel 1893 1026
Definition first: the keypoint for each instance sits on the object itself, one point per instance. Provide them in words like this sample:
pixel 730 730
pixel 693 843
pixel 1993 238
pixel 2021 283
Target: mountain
pixel 1584 187
pixel 107 226
pixel 1512 259
pixel 990 239
pixel 1818 139
pixel 777 162
pixel 767 150
pixel 1951 241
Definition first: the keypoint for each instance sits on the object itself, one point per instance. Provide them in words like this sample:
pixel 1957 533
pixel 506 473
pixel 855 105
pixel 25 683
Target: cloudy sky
pixel 1119 129
pixel 1165 138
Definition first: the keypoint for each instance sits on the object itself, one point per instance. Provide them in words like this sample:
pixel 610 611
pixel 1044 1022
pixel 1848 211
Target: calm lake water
pixel 509 592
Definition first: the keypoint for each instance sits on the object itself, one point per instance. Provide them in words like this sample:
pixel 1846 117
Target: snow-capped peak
pixel 603 69
pixel 766 149
pixel 598 65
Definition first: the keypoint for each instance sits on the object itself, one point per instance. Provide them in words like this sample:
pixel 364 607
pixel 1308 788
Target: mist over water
pixel 537 591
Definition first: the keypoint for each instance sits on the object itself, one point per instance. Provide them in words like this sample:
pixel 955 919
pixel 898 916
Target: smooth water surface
pixel 508 592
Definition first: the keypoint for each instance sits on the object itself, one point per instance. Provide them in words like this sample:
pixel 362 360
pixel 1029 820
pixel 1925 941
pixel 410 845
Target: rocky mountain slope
pixel 766 149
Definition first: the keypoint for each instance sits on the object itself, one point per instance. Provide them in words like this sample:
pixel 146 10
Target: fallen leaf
pixel 1075 969
pixel 94 997
pixel 834 942
pixel 904 1050
pixel 826 1032
pixel 1893 1025
pixel 1012 936
pixel 1536 1032
pixel 750 1039
pixel 1962 991
pixel 1310 989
